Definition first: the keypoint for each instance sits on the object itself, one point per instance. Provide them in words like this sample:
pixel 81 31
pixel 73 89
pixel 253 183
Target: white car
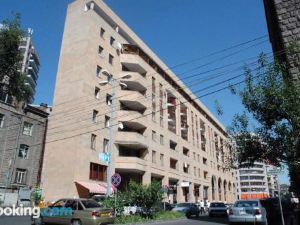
pixel 248 211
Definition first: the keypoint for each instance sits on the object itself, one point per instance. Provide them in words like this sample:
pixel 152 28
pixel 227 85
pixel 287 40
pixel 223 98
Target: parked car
pixel 248 211
pixel 84 212
pixel 25 202
pixel 217 209
pixel 99 198
pixel 189 209
pixel 166 206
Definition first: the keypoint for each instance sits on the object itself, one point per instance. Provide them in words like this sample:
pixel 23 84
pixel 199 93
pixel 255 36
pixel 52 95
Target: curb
pixel 152 221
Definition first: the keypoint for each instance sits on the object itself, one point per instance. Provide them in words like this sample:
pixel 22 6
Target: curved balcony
pixel 130 164
pixel 136 82
pixel 134 100
pixel 132 140
pixel 131 119
pixel 133 62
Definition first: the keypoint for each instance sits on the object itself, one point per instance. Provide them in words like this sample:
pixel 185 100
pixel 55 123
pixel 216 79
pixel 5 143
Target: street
pixel 204 220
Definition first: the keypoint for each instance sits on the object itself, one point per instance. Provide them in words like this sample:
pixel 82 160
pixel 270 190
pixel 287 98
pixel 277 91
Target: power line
pixel 197 59
pixel 198 97
pixel 99 102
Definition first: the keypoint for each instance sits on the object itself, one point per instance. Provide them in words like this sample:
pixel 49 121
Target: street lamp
pixel 111 80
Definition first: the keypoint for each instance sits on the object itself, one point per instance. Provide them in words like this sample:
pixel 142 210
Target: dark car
pixel 189 209
pixel 217 209
pixel 166 206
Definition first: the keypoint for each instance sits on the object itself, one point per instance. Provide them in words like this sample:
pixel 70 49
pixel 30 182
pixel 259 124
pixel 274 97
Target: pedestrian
pixel 201 207
pixel 208 205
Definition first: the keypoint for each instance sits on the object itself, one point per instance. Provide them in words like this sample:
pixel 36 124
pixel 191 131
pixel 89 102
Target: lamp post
pixel 112 81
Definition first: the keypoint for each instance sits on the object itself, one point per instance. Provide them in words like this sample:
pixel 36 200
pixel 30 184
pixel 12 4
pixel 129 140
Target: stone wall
pixel 283 17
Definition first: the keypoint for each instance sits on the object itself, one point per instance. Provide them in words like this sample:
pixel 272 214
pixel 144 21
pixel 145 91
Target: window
pixel 23 151
pixel 1 120
pixel 93 141
pixel 205 173
pixel 185 151
pixel 173 145
pixel 161 159
pixel 195 171
pixel 204 160
pixel 27 128
pixel 95 113
pixel 98 172
pixel 98 71
pixel 153 156
pixel 186 167
pixel 111 59
pixel 97 93
pixel 199 172
pixel 173 163
pixel 161 139
pixel 100 51
pixel 20 176
pixel 107 121
pixel 105 145
pixel 194 155
pixel 102 31
pixel 198 157
pixel 108 99
pixel 112 40
pixel 153 136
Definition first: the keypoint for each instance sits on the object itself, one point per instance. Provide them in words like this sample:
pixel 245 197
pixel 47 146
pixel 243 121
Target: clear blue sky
pixel 176 30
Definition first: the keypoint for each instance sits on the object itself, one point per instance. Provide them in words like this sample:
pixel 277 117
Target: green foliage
pixel 12 82
pixel 273 100
pixel 144 195
pixel 164 215
pixel 37 195
pixel 122 200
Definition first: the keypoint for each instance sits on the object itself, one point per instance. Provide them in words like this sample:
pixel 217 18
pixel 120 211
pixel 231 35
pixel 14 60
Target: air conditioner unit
pixel 185 165
pixel 121 126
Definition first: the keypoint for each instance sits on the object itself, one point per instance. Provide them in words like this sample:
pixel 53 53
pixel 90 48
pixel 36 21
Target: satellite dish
pixel 117 45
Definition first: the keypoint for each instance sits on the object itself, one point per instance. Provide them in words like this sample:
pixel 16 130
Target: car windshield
pixel 246 204
pixel 183 205
pixel 218 204
pixel 90 204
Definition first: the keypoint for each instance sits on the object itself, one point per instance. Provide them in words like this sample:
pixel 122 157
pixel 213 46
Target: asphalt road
pixel 19 220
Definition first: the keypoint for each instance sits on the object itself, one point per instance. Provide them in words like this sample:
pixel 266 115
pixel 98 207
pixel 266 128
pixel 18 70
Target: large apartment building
pixel 29 66
pixel 255 182
pixel 113 91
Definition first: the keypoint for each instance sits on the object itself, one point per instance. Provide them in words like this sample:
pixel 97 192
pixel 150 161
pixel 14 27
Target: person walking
pixel 201 207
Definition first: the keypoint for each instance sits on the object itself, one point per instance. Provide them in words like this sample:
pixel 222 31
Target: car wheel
pixel 210 215
pixel 197 215
pixel 188 215
pixel 76 222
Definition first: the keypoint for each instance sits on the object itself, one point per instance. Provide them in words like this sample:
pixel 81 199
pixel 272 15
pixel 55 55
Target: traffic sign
pixel 104 156
pixel 274 171
pixel 116 179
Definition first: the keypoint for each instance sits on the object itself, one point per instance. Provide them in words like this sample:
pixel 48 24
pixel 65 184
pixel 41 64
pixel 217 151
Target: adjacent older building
pixel 22 140
pixel 283 19
pixel 22 131
pixel 116 100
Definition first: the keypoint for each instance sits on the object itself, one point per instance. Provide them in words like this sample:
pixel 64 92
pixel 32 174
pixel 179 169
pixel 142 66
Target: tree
pixel 273 100
pixel 12 81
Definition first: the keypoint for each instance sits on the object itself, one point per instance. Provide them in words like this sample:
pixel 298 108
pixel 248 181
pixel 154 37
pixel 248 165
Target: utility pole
pixel 111 136
pixel 113 82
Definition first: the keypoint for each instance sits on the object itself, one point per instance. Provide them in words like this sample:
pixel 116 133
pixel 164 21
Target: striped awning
pixel 95 188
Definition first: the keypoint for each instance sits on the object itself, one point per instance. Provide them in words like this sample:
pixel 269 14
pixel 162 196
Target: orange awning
pixel 95 188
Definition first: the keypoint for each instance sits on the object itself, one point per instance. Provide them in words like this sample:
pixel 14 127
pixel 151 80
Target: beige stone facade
pixel 161 131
